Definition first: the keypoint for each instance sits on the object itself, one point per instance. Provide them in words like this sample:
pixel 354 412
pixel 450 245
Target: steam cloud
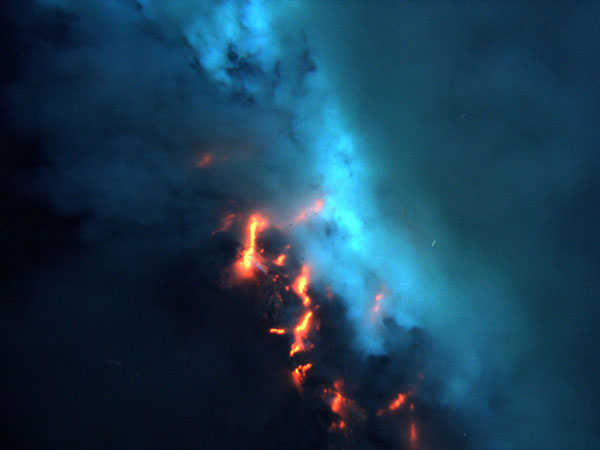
pixel 449 142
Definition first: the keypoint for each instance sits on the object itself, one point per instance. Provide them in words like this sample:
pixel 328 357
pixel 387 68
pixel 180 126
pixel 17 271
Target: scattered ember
pixel 299 374
pixel 205 161
pixel 277 331
pixel 340 425
pixel 280 260
pixel 395 404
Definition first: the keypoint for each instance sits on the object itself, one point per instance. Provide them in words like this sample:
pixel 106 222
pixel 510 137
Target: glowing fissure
pixel 346 410
pixel 300 333
pixel 249 258
pixel 301 284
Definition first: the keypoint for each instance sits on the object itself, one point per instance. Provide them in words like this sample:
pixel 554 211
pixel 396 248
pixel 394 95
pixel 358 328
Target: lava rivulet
pixel 300 333
pixel 301 284
pixel 249 257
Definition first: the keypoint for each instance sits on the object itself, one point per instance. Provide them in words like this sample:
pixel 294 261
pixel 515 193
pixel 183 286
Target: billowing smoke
pixel 446 143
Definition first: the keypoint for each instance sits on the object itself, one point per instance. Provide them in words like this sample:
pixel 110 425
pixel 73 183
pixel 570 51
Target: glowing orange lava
pixel 337 426
pixel 336 404
pixel 345 408
pixel 299 374
pixel 248 258
pixel 399 401
pixel 300 333
pixel 280 260
pixel 395 404
pixel 277 331
pixel 301 284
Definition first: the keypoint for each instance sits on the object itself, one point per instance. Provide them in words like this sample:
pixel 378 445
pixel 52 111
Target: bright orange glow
pixel 248 257
pixel 346 409
pixel 301 284
pixel 277 331
pixel 300 333
pixel 205 161
pixel 398 402
pixel 336 404
pixel 299 374
pixel 395 404
pixel 280 260
pixel 413 433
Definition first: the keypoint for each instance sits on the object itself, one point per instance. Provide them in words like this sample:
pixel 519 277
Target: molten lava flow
pixel 205 161
pixel 299 374
pixel 280 260
pixel 249 257
pixel 277 331
pixel 300 333
pixel 301 284
pixel 395 404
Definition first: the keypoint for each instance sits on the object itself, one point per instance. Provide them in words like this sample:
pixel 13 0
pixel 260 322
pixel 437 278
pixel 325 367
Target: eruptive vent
pixel 298 317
